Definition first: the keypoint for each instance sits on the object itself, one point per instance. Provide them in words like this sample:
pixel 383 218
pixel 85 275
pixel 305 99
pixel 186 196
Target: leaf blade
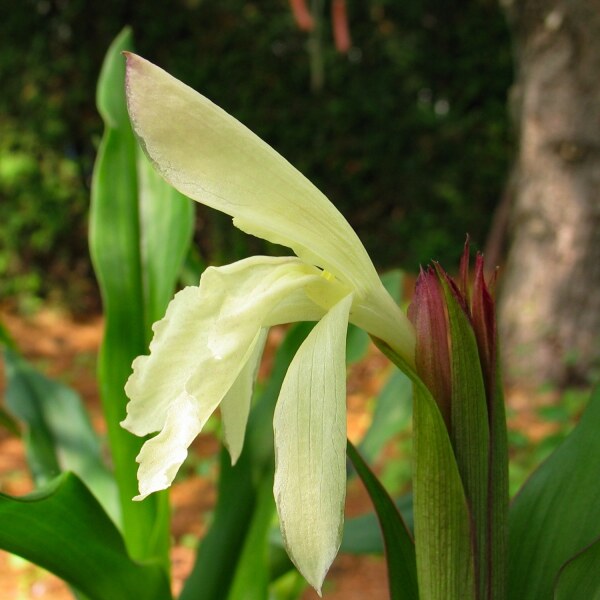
pixel 59 434
pixel 580 577
pixel 399 546
pixel 555 514
pixel 445 565
pixel 63 529
pixel 115 249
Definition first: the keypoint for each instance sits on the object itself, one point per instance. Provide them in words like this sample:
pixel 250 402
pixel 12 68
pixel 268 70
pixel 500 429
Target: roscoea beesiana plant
pixel 205 351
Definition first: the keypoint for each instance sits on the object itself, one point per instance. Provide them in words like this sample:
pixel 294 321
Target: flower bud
pixel 456 358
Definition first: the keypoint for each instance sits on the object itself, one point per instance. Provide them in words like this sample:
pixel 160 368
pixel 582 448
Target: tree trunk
pixel 550 293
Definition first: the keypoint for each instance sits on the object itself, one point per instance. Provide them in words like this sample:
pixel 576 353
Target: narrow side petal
pixel 235 406
pixel 310 447
pixel 211 157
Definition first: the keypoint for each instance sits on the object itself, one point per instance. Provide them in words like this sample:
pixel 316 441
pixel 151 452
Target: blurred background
pixel 406 130
pixel 422 121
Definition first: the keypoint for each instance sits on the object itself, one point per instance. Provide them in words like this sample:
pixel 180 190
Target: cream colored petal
pixel 201 344
pixel 379 315
pixel 214 159
pixel 161 456
pixel 235 406
pixel 199 349
pixel 310 447
pixel 160 378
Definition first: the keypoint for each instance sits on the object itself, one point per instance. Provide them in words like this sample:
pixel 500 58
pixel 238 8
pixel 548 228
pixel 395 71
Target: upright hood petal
pixel 211 157
pixel 214 159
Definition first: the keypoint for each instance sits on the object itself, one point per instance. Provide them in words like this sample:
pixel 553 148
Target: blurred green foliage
pixel 409 136
pixel 538 434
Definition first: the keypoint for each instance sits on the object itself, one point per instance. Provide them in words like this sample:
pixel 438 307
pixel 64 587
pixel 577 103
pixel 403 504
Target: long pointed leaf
pixel 251 581
pixel 59 436
pixel 470 433
pixel 362 535
pixel 140 231
pixel 63 529
pixel 399 546
pixel 166 226
pixel 220 550
pixel 445 565
pixel 557 512
pixel 116 254
pixel 442 526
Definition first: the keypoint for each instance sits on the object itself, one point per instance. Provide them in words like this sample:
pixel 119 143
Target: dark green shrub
pixel 408 137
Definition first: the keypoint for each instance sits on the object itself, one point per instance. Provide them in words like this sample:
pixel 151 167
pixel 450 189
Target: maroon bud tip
pixel 483 314
pixel 427 312
pixel 464 270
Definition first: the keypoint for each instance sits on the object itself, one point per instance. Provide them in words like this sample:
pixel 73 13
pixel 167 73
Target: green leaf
pixel 498 510
pixel 220 550
pixel 166 227
pixel 59 436
pixel 580 577
pixel 362 535
pixel 288 587
pixel 442 522
pixel 140 230
pixel 399 546
pixel 63 529
pixel 116 255
pixel 556 513
pixel 251 581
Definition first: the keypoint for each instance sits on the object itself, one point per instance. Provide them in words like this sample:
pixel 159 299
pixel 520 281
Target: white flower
pixel 206 349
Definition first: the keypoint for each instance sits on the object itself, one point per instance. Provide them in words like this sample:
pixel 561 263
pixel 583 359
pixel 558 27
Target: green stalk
pixel 443 544
pixel 140 230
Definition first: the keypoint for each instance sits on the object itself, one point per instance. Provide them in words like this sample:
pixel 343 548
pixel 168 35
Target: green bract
pixel 206 349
